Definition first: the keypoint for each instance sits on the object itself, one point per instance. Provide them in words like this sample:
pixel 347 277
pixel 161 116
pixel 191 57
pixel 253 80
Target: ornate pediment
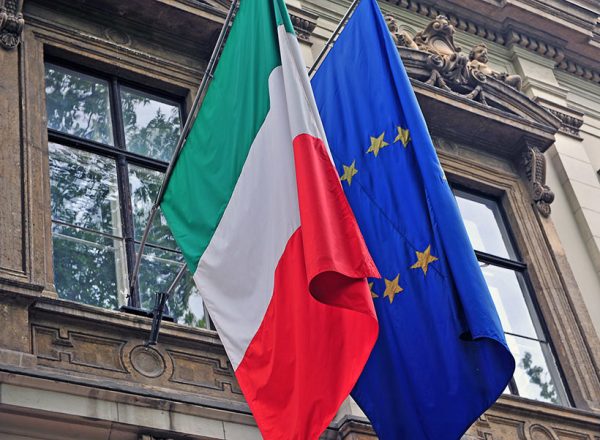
pixel 433 57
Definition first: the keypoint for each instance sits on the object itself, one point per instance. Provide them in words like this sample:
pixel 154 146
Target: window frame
pixel 554 287
pixel 517 265
pixel 123 159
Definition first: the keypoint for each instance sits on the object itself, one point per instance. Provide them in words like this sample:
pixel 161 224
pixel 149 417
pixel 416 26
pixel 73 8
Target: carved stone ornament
pixel 11 23
pixel 147 361
pixel 569 124
pixel 304 23
pixel 450 69
pixel 534 164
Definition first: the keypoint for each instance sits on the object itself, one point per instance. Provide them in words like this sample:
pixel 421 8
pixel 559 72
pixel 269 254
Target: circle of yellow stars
pixel 425 258
pixel 392 287
pixel 377 143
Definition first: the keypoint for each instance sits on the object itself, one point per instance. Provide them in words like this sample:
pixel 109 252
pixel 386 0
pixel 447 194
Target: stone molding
pixel 304 23
pixel 11 23
pixel 506 37
pixel 569 124
pixel 570 119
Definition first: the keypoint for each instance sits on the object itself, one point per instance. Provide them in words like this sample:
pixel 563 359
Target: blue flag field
pixel 441 358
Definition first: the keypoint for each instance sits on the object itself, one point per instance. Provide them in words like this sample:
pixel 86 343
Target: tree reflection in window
pixel 151 126
pixel 78 104
pixel 540 377
pixel 102 193
pixel 88 247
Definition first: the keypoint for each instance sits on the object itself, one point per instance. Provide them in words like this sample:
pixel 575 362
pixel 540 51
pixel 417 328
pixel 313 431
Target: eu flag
pixel 441 358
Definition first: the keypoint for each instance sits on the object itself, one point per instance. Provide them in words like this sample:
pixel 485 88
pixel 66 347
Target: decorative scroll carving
pixel 569 124
pixel 11 23
pixel 534 164
pixel 449 68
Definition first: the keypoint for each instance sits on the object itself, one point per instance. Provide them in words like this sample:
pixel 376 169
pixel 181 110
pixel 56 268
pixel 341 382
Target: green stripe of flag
pixel 235 107
pixel 282 16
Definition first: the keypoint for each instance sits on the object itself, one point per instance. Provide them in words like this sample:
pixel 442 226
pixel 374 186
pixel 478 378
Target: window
pixel 109 147
pixel 536 375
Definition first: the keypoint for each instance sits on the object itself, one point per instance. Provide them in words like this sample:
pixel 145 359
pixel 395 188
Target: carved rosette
pixel 11 23
pixel 534 164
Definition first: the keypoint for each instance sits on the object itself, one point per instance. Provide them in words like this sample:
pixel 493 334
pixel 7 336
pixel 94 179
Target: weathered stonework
pixel 450 69
pixel 86 370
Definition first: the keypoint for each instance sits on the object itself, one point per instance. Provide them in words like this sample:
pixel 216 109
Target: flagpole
pixel 181 141
pixel 333 36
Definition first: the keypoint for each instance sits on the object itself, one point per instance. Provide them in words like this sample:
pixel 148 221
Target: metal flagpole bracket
pixel 208 75
pixel 159 307
pixel 333 36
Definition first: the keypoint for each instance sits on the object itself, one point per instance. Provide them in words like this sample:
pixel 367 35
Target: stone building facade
pixel 92 95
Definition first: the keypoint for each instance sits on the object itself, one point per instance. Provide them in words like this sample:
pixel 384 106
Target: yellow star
pixel 377 144
pixel 373 294
pixel 349 172
pixel 403 136
pixel 392 288
pixel 424 259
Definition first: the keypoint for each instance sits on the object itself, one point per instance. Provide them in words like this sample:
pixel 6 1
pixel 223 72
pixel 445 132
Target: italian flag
pixel 258 210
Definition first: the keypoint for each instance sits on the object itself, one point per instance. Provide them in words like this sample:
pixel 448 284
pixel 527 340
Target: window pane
pixel 186 304
pixel 84 189
pixel 78 104
pixel 89 267
pixel 507 289
pixel 533 373
pixel 484 225
pixel 158 269
pixel 145 184
pixel 152 125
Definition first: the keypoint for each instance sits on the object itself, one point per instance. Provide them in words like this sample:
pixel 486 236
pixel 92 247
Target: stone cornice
pixel 304 22
pixel 569 124
pixel 507 37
